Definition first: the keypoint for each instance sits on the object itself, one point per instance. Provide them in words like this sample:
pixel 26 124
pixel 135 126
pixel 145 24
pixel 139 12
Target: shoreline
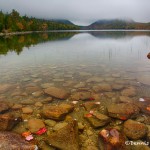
pixel 103 30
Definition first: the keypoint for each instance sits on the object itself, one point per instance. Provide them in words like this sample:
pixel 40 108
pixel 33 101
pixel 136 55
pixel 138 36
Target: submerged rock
pixel 134 130
pixel 57 112
pixel 5 87
pixel 50 123
pixel 66 138
pixel 111 139
pixel 81 96
pixel 27 110
pixel 102 88
pixel 91 105
pixel 13 141
pixel 122 111
pixel 8 121
pixel 125 99
pixel 97 119
pixel 144 79
pixel 95 79
pixel 35 124
pixel 57 92
pixel 59 125
pixel 130 92
pixel 16 106
pixel 4 107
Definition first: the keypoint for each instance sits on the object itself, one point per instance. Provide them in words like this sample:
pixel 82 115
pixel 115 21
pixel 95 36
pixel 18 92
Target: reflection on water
pixel 106 67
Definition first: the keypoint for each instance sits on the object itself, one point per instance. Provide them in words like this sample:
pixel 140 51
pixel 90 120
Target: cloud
pixel 81 11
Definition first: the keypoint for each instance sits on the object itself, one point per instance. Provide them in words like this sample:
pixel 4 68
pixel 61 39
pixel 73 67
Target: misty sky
pixel 81 12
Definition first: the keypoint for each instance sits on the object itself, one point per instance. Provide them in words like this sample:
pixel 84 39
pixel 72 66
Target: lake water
pixel 76 62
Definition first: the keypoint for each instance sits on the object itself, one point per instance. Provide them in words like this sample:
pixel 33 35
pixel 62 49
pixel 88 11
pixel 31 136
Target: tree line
pixel 13 22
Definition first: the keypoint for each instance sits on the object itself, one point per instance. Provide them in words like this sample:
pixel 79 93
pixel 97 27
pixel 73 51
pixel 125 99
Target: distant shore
pixel 29 32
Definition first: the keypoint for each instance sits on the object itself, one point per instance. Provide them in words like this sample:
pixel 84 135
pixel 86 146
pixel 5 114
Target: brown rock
pixel 95 79
pixel 81 96
pixel 5 87
pixel 117 86
pixel 27 110
pixel 35 124
pixel 13 141
pixel 8 121
pixel 57 112
pixel 98 119
pixel 38 104
pixel 37 93
pixel 66 138
pixel 27 102
pixel 111 139
pixel 91 106
pixel 125 99
pixel 134 130
pixel 123 111
pixel 33 89
pixel 17 106
pixel 148 55
pixel 103 88
pixel 57 92
pixel 4 107
pixel 130 92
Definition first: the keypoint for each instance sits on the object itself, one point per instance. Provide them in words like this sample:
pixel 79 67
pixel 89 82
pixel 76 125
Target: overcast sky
pixel 81 11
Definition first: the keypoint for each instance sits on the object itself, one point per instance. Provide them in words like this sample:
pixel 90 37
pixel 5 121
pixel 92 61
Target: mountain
pixel 117 24
pixel 62 21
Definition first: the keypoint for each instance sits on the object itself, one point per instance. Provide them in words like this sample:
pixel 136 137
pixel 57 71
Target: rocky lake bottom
pixel 73 106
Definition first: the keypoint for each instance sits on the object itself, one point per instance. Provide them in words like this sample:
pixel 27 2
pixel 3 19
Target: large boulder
pixel 35 124
pixel 97 119
pixel 4 107
pixel 57 112
pixel 8 121
pixel 57 92
pixel 122 111
pixel 13 141
pixel 66 138
pixel 134 130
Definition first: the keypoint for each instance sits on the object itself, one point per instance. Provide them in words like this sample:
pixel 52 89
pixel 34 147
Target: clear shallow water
pixel 69 61
pixel 121 51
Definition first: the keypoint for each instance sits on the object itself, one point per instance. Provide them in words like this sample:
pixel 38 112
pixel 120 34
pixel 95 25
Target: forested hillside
pixel 118 24
pixel 12 22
